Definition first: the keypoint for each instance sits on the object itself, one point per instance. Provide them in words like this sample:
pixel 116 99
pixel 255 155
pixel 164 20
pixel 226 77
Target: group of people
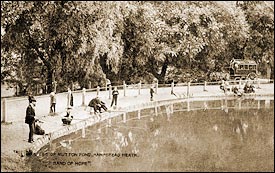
pixel 248 88
pixel 225 86
pixel 30 119
pixel 97 105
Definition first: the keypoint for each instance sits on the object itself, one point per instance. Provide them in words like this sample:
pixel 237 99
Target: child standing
pixel 115 94
pixel 53 102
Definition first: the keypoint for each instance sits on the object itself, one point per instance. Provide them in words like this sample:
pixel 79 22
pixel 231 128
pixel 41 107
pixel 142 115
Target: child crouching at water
pixel 236 91
pixel 67 119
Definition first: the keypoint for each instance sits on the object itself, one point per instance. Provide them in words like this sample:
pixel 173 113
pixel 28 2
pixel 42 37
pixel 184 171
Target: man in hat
pixel 30 117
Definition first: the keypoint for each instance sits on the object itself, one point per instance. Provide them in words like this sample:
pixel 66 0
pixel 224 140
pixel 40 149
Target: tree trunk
pixel 161 76
pixel 49 82
pixel 163 71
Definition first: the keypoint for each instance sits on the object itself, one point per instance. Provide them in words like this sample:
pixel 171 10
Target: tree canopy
pixel 86 42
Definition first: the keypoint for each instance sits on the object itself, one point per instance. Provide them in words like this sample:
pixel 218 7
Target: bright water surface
pixel 204 139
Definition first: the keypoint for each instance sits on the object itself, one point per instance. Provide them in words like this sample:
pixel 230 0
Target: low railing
pixel 13 109
pixel 162 108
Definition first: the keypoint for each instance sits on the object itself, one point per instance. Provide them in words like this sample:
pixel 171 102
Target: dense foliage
pixel 86 42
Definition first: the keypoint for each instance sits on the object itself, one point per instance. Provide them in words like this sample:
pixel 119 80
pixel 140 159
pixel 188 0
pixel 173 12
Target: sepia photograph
pixel 137 86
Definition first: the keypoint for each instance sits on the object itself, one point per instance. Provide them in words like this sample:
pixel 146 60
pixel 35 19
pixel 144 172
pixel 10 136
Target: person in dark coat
pixel 94 104
pixel 115 94
pixel 30 118
pixel 70 98
pixel 97 104
pixel 152 92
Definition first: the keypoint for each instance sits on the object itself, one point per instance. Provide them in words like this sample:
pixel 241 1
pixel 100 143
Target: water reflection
pixel 221 136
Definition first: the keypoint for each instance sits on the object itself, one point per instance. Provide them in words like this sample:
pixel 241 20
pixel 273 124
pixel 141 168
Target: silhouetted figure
pixel 97 104
pixel 152 92
pixel 115 95
pixel 30 118
pixel 249 88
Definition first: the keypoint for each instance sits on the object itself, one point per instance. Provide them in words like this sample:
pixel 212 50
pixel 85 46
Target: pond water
pixel 221 135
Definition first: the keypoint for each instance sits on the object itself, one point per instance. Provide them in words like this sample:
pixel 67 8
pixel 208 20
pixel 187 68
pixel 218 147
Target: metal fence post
pixel 124 88
pixel 172 87
pixel 69 98
pixel 240 104
pixel 205 105
pixel 204 88
pixel 188 105
pixel 124 117
pixel 83 96
pixel 17 90
pixel 156 110
pixel 83 132
pixel 97 90
pixel 188 89
pixel 109 122
pixel 172 108
pixel 157 85
pixel 258 84
pixel 110 91
pixel 4 111
pixel 240 83
pixel 139 114
pixel 267 103
pixel 139 87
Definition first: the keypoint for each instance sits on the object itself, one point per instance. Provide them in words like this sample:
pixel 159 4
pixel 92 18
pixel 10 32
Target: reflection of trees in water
pixel 207 140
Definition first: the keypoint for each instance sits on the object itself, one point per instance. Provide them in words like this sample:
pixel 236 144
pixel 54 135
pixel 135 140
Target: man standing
pixel 29 119
pixel 115 94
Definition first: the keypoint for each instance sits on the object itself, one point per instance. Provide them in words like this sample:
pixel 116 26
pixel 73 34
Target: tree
pixel 51 34
pixel 260 44
pixel 181 34
pixel 82 42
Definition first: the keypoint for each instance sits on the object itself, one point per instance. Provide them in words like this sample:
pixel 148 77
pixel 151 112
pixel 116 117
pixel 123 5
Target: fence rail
pixel 13 108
